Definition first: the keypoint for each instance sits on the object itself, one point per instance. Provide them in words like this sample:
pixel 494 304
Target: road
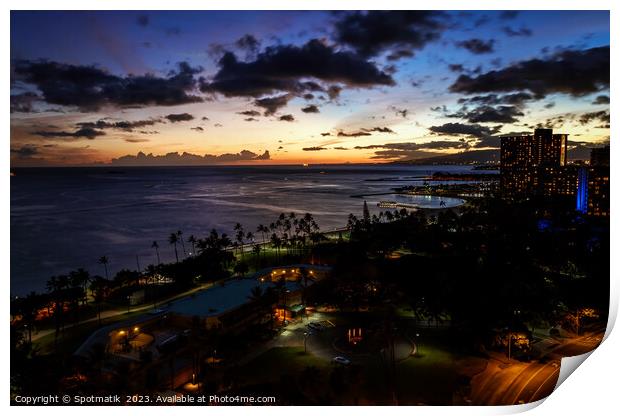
pixel 514 382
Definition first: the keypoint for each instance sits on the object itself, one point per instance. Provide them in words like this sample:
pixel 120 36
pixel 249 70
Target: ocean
pixel 66 218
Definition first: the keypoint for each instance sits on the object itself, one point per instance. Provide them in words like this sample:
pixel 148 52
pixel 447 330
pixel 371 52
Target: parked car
pixel 341 360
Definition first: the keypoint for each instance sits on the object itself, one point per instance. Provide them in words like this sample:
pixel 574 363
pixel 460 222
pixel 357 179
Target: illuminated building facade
pixel 536 164
pixel 598 183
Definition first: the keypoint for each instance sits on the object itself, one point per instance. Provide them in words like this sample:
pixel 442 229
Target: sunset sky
pixel 299 87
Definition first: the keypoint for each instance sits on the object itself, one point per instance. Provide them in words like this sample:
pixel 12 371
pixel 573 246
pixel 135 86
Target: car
pixel 341 360
pixel 315 326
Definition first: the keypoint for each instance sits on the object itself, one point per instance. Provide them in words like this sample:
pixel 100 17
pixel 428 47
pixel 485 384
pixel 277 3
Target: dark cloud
pixel 490 114
pixel 340 148
pixel 281 68
pixel 380 130
pixel 287 117
pixel 371 33
pixel 311 109
pixel 460 129
pixel 250 119
pixel 273 104
pixel 250 113
pixel 136 140
pixel 25 151
pixel 88 87
pixel 143 20
pixel 120 125
pixel 410 150
pixel 518 99
pixel 508 14
pixel 313 149
pixel 477 46
pixel 23 103
pixel 326 134
pixel 176 118
pixel 175 158
pixel 573 72
pixel 353 134
pixel 333 92
pixel 197 128
pixel 601 99
pixel 399 54
pixel 523 31
pixel 86 132
pixel 456 67
pixel 249 43
pixel 601 116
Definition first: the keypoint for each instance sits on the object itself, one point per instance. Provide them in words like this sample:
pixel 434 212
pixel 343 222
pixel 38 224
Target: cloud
pixel 523 31
pixel 602 116
pixel 380 130
pixel 353 134
pixel 197 128
pixel 273 104
pixel 573 72
pixel 313 149
pixel 408 150
pixel 175 158
pixel 250 119
pixel 176 118
pixel 326 134
pixel 399 54
pixel 88 87
pixel 135 140
pixel 490 114
pixel 25 151
pixel 143 20
pixel 371 33
pixel 284 68
pixel 517 99
pixel 287 117
pixel 477 46
pixel 119 125
pixel 471 130
pixel 601 99
pixel 508 14
pixel 311 109
pixel 23 103
pixel 86 132
pixel 249 113
pixel 248 43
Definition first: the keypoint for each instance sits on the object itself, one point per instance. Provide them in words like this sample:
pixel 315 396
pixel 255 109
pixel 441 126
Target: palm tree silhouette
pixel 192 240
pixel 173 240
pixel 180 239
pixel 156 247
pixel 104 260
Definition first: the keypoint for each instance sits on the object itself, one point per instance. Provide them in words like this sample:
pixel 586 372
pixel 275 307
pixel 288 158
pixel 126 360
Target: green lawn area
pixel 269 366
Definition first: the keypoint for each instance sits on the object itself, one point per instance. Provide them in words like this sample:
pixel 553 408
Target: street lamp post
pixel 305 342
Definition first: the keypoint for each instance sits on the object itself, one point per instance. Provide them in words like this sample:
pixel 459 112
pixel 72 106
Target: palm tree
pixel 239 236
pixel 180 234
pixel 173 240
pixel 104 260
pixel 99 287
pixel 156 247
pixel 192 240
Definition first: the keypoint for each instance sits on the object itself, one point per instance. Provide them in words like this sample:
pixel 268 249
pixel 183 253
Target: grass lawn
pixel 269 366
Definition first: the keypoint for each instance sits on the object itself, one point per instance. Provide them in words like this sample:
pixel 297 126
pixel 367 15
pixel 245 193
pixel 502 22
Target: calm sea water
pixel 65 218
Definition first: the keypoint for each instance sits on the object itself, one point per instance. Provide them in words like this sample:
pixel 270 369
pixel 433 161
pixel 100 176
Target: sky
pixel 269 87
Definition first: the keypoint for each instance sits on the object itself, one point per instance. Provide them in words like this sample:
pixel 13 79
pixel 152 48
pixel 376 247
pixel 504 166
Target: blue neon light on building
pixel 582 190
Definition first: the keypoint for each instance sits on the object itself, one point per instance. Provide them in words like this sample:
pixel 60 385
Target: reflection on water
pixel 62 219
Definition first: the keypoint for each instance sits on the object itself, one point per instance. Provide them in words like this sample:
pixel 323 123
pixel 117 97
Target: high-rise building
pixel 533 164
pixel 598 182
